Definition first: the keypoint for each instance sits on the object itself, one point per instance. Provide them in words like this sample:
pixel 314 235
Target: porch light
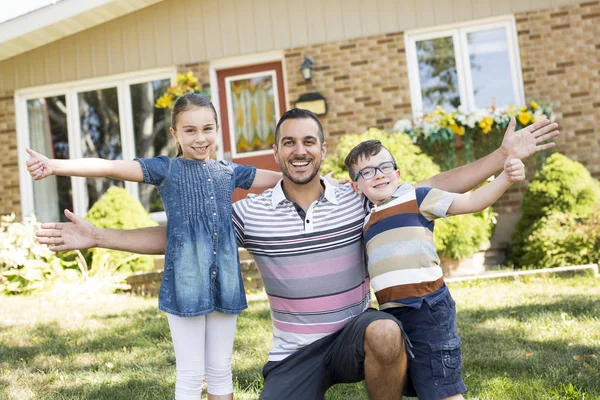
pixel 306 68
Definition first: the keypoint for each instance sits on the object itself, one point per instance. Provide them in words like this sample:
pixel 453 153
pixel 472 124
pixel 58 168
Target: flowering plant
pixel 184 83
pixel 480 131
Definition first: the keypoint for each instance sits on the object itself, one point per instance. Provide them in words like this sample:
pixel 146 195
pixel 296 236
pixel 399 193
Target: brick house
pixel 79 79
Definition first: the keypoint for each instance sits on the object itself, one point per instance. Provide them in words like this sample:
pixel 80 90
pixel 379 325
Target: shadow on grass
pixel 513 353
pixel 131 390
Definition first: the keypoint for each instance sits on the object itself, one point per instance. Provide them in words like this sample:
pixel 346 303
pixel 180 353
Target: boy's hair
pixel 365 149
pixel 188 102
pixel 298 113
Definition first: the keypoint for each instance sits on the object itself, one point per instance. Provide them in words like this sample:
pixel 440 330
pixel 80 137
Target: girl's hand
pixel 515 170
pixel 38 165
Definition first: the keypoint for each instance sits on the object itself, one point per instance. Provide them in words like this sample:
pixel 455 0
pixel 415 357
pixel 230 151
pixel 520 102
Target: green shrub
pixel 26 265
pixel 456 237
pixel 559 239
pixel 117 209
pixel 561 185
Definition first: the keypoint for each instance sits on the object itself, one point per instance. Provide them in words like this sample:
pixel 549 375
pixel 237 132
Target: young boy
pixel 405 268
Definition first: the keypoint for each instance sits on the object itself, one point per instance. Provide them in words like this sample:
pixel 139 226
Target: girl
pixel 202 290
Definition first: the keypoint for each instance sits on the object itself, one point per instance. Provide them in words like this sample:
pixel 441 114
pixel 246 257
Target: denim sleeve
pixel 155 169
pixel 243 175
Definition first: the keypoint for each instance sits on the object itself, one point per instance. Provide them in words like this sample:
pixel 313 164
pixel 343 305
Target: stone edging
pixel 576 269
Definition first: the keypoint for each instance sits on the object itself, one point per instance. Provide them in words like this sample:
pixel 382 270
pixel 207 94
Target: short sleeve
pixel 434 203
pixel 155 169
pixel 243 175
pixel 238 216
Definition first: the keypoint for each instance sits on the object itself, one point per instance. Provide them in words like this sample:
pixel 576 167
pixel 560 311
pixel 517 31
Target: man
pixel 306 238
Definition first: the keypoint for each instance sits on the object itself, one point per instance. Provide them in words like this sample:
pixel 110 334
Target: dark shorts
pixel 310 371
pixel 436 370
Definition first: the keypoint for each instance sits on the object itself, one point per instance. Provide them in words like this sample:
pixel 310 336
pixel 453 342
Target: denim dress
pixel 202 268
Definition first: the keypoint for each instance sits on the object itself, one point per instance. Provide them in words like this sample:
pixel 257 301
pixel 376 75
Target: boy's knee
pixel 383 340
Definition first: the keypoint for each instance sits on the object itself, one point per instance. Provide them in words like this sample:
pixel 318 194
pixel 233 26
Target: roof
pixel 56 21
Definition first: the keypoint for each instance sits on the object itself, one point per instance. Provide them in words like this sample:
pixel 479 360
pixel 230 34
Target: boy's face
pixel 381 186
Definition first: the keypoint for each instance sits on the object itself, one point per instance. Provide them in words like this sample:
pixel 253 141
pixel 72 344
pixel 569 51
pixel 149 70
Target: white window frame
pixel 70 90
pixel 232 115
pixel 461 54
pixel 234 62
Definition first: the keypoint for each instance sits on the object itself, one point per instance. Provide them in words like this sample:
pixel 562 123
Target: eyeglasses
pixel 386 167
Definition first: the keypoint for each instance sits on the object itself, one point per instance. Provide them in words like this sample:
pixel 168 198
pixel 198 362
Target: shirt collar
pixel 278 195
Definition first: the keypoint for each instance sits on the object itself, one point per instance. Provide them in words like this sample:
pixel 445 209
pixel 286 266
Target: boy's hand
pixel 38 165
pixel 515 170
pixel 527 141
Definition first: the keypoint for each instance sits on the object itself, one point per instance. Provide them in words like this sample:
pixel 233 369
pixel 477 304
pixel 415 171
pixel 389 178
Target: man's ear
pixel 354 186
pixel 275 155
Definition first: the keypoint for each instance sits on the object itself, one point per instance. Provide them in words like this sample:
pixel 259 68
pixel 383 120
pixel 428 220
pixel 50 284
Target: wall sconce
pixel 306 68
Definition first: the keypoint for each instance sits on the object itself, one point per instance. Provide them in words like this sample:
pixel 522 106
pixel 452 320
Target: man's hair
pixel 365 149
pixel 298 113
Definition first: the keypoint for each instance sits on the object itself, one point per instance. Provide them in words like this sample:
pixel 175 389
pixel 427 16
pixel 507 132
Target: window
pixel 473 65
pixel 112 118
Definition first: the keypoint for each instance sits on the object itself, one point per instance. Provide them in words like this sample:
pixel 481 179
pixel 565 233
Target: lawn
pixel 535 338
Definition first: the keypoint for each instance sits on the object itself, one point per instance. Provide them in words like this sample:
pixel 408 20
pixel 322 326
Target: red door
pixel 251 100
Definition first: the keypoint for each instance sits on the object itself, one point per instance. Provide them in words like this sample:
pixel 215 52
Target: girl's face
pixel 196 133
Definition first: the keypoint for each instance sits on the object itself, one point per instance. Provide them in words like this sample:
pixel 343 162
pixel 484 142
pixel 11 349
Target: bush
pixel 558 239
pixel 26 265
pixel 456 237
pixel 117 209
pixel 560 186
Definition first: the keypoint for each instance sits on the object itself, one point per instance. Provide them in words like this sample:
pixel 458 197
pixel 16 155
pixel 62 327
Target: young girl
pixel 202 290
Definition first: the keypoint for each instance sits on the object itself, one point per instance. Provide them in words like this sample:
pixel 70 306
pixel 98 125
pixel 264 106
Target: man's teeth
pixel 300 163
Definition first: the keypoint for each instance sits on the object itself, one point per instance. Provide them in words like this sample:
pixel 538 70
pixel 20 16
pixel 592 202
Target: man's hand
pixel 38 165
pixel 515 170
pixel 76 235
pixel 524 142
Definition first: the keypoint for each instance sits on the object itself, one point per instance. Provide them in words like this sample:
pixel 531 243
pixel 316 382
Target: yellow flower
pixel 534 105
pixel 458 130
pixel 525 118
pixel 164 101
pixel 523 109
pixel 486 124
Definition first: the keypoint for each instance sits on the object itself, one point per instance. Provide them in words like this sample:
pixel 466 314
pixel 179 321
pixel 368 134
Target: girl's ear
pixel 355 187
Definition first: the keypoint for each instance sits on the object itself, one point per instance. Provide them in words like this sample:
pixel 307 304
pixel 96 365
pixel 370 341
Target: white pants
pixel 203 346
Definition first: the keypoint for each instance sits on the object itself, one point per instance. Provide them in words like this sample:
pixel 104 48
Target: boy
pixel 404 267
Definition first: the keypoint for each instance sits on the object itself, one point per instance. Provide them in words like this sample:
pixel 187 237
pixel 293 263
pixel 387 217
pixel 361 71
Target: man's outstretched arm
pixel 521 144
pixel 80 234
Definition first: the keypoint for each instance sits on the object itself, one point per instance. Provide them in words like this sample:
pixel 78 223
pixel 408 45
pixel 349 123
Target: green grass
pixel 535 338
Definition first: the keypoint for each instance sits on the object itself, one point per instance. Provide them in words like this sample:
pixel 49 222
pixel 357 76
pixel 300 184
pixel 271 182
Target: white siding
pixel 185 31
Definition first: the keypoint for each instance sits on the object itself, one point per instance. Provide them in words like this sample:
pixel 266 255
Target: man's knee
pixel 383 340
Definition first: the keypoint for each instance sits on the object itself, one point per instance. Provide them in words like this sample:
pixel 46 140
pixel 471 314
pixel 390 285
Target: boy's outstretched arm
pixel 40 167
pixel 79 234
pixel 485 196
pixel 265 179
pixel 521 144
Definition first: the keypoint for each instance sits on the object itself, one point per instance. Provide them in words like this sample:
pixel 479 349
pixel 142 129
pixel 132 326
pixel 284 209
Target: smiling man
pixel 306 238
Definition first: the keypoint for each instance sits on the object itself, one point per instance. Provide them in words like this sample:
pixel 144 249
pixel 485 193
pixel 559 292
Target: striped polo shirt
pixel 313 268
pixel 402 261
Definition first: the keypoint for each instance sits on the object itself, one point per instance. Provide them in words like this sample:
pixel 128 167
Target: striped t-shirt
pixel 402 261
pixel 313 269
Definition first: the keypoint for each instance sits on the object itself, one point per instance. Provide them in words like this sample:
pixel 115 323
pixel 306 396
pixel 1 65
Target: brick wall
pixel 560 58
pixel 9 184
pixel 364 81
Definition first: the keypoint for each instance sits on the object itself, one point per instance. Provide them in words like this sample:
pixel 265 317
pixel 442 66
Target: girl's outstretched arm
pixel 40 167
pixel 265 179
